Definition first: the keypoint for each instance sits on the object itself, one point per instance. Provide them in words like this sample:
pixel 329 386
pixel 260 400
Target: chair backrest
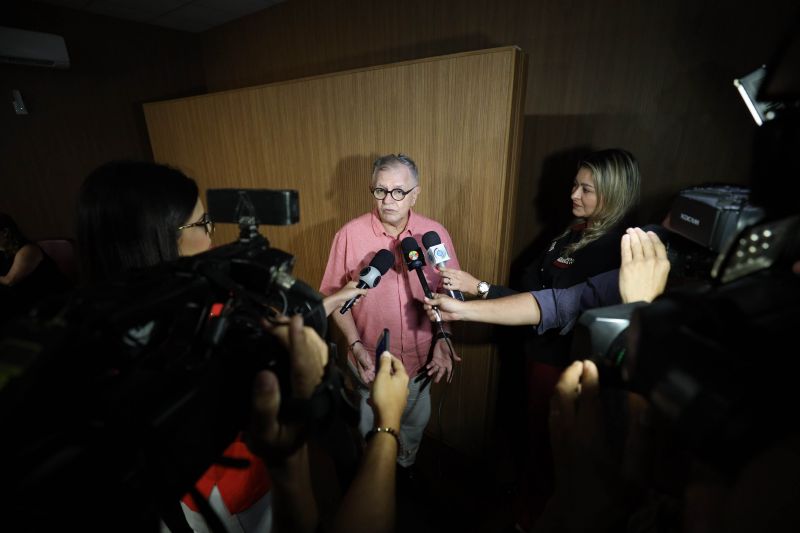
pixel 62 251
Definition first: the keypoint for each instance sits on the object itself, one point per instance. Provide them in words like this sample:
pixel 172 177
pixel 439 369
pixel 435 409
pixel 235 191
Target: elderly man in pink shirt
pixel 396 302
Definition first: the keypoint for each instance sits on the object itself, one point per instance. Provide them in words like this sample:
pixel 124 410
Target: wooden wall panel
pixel 457 116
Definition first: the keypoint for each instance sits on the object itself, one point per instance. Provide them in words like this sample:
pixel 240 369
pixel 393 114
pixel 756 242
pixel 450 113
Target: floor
pixel 461 495
pixel 452 492
pixel 449 492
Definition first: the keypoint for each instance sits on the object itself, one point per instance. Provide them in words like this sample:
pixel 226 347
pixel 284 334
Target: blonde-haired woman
pixel 604 193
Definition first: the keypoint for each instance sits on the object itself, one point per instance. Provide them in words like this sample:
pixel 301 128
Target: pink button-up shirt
pixel 396 303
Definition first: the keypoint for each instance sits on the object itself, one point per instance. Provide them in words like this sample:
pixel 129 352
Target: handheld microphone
pixel 437 254
pixel 370 276
pixel 415 261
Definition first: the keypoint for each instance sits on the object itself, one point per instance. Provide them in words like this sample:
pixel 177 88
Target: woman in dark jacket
pixel 605 190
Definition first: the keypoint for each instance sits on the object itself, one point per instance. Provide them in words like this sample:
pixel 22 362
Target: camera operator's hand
pixel 365 363
pixel 335 301
pixel 450 309
pixel 308 354
pixel 596 481
pixel 645 267
pixel 441 363
pixel 282 444
pixel 458 280
pixel 389 392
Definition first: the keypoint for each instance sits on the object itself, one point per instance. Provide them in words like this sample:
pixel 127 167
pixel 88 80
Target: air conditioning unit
pixel 23 47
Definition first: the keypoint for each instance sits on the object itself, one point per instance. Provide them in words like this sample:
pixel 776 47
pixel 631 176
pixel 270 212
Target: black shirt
pixel 554 270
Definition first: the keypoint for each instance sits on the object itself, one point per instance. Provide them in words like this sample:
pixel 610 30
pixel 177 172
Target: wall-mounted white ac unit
pixel 23 47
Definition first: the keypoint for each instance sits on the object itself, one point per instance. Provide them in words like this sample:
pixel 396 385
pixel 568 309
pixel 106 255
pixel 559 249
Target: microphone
pixel 370 276
pixel 437 254
pixel 415 261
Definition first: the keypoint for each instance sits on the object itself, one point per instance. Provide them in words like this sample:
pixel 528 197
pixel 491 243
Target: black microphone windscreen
pixel 411 252
pixel 408 244
pixel 383 261
pixel 431 239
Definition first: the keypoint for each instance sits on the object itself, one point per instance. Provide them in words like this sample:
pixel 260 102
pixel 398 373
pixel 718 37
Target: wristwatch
pixel 483 289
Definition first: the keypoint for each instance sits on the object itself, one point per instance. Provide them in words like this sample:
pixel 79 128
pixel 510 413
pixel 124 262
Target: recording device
pixel 123 394
pixel 383 345
pixel 370 276
pixel 437 253
pixel 702 222
pixel 415 261
pixel 438 256
pixel 716 362
pixel 712 215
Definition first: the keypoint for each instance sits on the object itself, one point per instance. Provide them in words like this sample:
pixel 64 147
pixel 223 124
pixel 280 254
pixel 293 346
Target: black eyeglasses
pixel 398 194
pixel 204 221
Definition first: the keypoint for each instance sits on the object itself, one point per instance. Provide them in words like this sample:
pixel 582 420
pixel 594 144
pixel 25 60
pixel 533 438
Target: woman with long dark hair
pixel 133 215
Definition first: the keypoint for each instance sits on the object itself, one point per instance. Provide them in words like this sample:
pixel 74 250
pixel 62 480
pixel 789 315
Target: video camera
pixel 701 221
pixel 115 401
pixel 716 362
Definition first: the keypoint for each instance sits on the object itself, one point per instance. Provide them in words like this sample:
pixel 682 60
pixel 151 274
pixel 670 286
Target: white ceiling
pixel 186 15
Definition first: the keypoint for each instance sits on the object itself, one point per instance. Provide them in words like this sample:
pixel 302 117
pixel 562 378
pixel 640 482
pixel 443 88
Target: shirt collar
pixel 379 230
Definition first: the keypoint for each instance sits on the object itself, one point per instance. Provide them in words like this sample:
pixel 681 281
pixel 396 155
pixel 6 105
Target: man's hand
pixel 389 392
pixel 449 308
pixel 645 267
pixel 441 363
pixel 365 363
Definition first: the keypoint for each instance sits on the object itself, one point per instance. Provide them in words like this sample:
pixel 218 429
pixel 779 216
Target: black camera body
pixel 116 400
pixel 716 361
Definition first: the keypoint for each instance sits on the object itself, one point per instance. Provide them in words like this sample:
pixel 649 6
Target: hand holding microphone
pixel 457 280
pixel 350 291
pixel 447 308
pixel 442 356
pixel 414 261
pixel 370 276
pixel 438 256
